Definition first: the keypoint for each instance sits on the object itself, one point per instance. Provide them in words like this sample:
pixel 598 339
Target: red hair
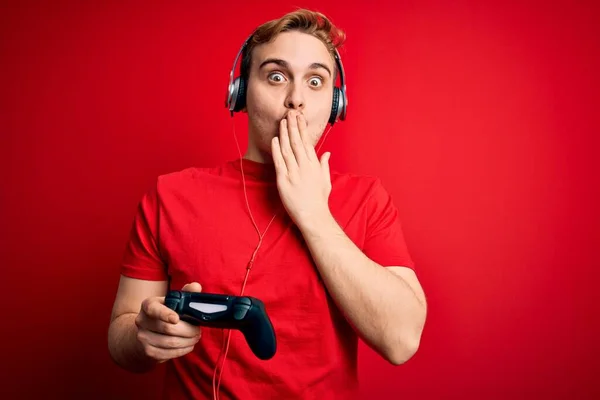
pixel 310 22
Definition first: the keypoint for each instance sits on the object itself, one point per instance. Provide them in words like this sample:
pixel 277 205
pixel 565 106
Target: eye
pixel 315 81
pixel 276 77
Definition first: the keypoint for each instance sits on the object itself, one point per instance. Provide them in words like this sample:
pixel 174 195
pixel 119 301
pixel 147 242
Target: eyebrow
pixel 286 65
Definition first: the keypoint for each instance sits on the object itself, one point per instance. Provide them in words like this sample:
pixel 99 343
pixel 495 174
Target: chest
pixel 212 240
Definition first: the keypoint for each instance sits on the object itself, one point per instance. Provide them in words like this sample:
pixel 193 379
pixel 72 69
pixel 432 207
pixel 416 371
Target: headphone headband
pixel 340 66
pixel 229 103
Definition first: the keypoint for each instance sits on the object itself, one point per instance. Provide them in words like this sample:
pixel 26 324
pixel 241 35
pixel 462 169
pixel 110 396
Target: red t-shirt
pixel 194 226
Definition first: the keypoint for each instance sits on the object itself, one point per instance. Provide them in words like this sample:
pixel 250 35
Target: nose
pixel 295 98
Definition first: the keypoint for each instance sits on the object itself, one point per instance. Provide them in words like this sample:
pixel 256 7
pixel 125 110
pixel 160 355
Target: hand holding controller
pixel 161 335
pixel 246 314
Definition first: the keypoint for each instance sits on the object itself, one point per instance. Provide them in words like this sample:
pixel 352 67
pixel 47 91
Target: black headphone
pixel 236 95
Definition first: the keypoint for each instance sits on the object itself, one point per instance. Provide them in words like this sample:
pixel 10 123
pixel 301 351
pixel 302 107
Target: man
pixel 324 251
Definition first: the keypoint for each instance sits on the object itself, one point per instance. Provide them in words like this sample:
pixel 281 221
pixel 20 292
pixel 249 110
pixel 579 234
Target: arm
pixel 123 345
pixel 386 306
pixel 142 330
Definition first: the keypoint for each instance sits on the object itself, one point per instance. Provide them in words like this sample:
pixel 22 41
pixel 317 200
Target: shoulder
pixel 358 192
pixel 357 184
pixel 187 178
pixel 175 185
pixel 177 178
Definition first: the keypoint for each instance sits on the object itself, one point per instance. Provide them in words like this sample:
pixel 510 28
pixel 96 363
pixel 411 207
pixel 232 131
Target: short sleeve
pixel 384 239
pixel 141 259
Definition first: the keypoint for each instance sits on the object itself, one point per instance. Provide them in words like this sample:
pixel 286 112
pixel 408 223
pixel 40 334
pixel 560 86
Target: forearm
pixel 124 347
pixel 381 306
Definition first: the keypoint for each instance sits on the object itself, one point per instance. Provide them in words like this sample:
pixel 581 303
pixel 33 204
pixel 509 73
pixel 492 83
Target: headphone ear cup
pixel 239 94
pixel 334 106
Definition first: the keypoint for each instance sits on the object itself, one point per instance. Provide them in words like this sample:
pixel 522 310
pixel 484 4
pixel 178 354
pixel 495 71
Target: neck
pixel 259 157
pixel 256 155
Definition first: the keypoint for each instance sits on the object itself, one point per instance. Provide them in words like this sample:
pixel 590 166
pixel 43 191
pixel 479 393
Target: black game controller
pixel 246 314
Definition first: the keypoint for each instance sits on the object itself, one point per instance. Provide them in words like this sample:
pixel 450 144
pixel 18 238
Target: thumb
pixel 192 287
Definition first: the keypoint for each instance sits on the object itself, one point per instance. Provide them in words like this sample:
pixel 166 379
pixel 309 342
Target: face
pixel 292 72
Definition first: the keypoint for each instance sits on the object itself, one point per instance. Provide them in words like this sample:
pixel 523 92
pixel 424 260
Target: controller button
pixel 244 300
pixel 240 311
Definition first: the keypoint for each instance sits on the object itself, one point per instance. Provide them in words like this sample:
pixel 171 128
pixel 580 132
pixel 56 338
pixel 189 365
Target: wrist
pixel 320 225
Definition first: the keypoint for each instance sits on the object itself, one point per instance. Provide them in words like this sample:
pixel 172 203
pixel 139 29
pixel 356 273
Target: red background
pixel 479 117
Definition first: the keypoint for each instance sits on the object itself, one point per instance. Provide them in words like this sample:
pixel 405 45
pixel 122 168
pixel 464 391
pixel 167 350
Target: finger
pixel 308 147
pixel 192 287
pixel 162 341
pixel 181 329
pixel 295 139
pixel 286 150
pixel 325 165
pixel 162 355
pixel 154 308
pixel 278 161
